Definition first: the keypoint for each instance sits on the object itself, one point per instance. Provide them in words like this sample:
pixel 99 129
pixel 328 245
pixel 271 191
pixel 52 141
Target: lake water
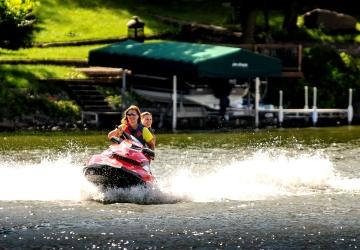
pixel 279 189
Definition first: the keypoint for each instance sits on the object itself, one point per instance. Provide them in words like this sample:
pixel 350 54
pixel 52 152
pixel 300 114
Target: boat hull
pixel 112 177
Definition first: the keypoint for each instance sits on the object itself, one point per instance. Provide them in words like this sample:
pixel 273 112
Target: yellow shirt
pixel 146 134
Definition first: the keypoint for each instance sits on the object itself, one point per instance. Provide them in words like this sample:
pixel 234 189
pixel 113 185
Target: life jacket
pixel 137 133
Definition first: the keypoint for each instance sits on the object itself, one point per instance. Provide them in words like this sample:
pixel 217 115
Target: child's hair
pixel 144 114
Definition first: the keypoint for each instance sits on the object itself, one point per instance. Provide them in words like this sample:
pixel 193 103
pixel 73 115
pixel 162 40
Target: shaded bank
pixel 227 139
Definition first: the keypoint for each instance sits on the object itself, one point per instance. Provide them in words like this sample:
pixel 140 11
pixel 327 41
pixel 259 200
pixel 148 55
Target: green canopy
pixel 185 59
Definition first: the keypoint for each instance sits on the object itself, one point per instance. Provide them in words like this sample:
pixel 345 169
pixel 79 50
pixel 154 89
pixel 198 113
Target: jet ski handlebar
pixel 126 136
pixel 115 140
pixel 118 140
pixel 147 151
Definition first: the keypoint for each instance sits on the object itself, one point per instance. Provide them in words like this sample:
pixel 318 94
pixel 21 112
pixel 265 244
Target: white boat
pixel 198 96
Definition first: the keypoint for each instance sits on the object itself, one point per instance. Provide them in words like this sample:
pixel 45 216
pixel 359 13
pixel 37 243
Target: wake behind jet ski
pixel 125 163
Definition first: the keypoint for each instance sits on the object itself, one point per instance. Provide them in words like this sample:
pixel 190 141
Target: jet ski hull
pixel 122 165
pixel 116 177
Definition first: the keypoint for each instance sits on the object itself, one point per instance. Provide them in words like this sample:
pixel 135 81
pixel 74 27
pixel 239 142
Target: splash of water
pixel 51 179
pixel 263 175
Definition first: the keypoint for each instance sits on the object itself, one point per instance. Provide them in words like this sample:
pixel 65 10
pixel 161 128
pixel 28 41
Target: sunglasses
pixel 131 114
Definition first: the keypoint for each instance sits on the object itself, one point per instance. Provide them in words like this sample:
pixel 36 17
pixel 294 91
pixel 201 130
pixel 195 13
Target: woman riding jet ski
pixel 125 164
pixel 131 124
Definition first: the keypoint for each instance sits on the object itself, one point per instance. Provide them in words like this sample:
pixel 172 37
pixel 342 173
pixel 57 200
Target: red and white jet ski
pixel 125 163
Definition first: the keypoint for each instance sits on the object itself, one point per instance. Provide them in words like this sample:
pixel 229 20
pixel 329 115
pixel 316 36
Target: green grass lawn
pixel 93 19
pixel 23 75
pixel 62 21
pixel 70 52
pixel 76 20
pixel 79 20
pixel 21 72
pixel 68 20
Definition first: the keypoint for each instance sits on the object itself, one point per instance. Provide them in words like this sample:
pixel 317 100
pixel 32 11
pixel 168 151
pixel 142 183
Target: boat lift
pixel 282 113
pixel 313 112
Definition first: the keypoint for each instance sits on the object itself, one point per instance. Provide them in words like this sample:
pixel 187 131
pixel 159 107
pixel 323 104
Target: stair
pixel 95 110
pixel 88 97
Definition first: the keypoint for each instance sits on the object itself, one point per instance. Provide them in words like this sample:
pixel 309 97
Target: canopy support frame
pixel 174 99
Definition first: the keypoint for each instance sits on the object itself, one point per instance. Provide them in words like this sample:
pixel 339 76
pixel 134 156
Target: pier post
pixel 123 89
pixel 306 106
pixel 281 110
pixel 257 100
pixel 174 99
pixel 315 112
pixel 350 109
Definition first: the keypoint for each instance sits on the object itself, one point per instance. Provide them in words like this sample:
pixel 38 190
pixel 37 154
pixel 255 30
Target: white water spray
pixel 263 175
pixel 51 179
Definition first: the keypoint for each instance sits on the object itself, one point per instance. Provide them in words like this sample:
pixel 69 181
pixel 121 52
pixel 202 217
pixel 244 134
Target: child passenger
pixel 146 120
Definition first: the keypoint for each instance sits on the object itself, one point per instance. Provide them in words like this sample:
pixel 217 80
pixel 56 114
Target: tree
pixel 247 13
pixel 16 22
pixel 290 16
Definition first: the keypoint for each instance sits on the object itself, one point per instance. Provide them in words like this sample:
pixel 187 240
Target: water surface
pixel 279 189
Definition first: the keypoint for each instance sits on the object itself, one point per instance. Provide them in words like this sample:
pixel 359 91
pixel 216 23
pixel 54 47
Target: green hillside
pixel 79 20
pixel 70 52
pixel 93 19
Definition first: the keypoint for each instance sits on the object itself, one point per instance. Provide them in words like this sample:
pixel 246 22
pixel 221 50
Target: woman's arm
pixel 116 132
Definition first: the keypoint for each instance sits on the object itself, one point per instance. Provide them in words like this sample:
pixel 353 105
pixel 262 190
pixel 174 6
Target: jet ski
pixel 126 163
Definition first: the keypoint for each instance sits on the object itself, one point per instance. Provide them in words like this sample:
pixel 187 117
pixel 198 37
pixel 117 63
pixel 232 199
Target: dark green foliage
pixel 293 92
pixel 332 73
pixel 297 35
pixel 22 95
pixel 15 102
pixel 16 23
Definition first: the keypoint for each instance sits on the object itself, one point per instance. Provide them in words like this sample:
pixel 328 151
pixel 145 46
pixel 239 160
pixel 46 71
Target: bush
pixel 66 109
pixel 16 23
pixel 16 102
pixel 332 73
